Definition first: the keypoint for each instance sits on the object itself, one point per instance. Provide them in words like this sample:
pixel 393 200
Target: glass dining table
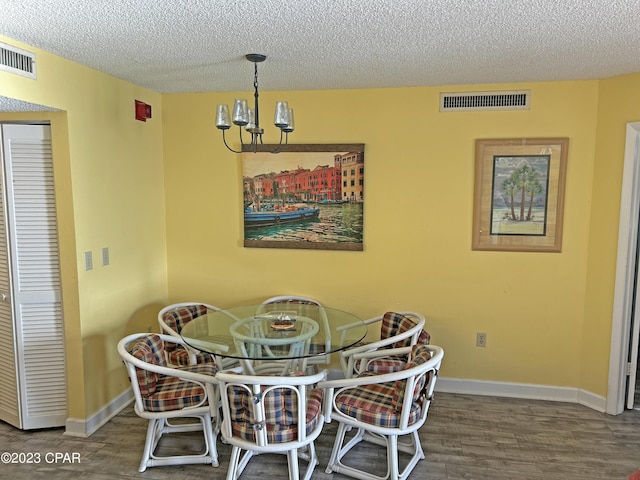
pixel 273 338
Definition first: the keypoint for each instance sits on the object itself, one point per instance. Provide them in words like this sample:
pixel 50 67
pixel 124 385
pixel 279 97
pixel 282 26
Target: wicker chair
pixel 397 330
pixel 164 393
pixel 271 414
pixel 383 408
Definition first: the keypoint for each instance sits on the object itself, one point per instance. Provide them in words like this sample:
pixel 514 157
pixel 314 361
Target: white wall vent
pixel 504 100
pixel 15 60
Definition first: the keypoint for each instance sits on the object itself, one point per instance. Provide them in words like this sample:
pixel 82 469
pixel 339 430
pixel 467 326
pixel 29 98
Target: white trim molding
pixel 513 390
pixel 521 390
pixel 78 427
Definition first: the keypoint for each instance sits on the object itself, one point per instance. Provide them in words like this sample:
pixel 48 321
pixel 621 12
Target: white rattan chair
pixel 383 408
pixel 164 393
pixel 271 414
pixel 397 330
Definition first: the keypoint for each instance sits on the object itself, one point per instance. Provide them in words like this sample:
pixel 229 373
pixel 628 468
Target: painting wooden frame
pixel 519 194
pixel 309 196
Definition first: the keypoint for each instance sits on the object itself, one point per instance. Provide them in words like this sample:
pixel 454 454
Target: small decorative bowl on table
pixel 283 325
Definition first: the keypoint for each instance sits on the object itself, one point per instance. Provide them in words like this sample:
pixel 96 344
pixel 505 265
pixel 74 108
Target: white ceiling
pixel 199 45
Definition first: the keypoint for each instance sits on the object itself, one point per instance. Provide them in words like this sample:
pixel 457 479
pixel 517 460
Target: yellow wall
pixel 109 188
pixel 419 166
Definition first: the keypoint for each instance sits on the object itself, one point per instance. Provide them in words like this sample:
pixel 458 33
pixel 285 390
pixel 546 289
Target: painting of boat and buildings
pixel 309 196
pixel 520 195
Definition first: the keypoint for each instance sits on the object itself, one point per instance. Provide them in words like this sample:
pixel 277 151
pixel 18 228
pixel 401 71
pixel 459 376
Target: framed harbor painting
pixel 305 197
pixel 519 194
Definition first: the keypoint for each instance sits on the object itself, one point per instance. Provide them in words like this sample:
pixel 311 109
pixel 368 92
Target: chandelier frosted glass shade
pixel 246 117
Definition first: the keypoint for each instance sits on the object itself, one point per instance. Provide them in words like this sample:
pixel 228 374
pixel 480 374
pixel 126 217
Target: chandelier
pixel 249 118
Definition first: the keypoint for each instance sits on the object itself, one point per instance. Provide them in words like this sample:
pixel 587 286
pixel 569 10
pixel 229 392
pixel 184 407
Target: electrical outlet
pixel 481 339
pixel 105 256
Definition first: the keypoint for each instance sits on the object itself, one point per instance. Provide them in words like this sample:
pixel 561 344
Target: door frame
pixel 626 267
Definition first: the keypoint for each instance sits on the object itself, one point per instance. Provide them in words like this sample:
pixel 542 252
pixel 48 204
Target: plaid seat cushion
pixel 149 349
pixel 172 393
pixel 419 355
pixel 373 404
pixel 281 413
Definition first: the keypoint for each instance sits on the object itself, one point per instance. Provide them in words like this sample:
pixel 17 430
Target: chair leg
pixel 337 445
pixel 232 473
pixel 392 457
pixel 210 440
pixel 392 445
pixel 313 461
pixel 149 444
pixel 243 460
pixel 292 460
pixel 158 427
pixel 415 448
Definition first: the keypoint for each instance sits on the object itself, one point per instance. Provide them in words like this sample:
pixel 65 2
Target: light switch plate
pixel 88 261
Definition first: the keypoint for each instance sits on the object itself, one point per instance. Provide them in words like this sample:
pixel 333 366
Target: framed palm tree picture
pixel 519 194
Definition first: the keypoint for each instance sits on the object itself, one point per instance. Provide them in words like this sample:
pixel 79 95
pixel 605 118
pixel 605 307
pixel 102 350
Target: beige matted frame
pixel 519 194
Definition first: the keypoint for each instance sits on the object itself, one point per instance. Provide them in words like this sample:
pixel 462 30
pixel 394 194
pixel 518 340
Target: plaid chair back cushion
pixel 394 324
pixel 149 349
pixel 419 355
pixel 178 318
pixel 424 338
pixel 281 413
pixel 302 307
pixel 311 311
pixel 395 363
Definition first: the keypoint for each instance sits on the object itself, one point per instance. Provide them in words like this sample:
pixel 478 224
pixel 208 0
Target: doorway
pixel 625 327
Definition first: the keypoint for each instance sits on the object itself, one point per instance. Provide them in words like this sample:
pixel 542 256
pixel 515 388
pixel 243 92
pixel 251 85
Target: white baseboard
pixel 521 390
pixel 513 390
pixel 84 428
pixel 78 427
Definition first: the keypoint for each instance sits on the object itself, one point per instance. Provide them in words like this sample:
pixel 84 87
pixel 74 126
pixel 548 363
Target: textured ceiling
pixel 199 45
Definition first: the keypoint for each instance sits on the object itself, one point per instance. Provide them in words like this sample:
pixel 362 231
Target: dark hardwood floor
pixel 465 437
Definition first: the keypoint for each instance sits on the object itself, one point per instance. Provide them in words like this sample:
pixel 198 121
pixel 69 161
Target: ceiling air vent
pixel 465 101
pixel 18 61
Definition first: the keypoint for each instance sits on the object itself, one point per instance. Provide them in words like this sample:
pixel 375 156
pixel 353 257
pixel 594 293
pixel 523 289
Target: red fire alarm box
pixel 143 111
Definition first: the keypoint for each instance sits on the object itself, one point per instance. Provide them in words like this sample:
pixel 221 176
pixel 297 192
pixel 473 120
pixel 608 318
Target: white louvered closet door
pixel 30 288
